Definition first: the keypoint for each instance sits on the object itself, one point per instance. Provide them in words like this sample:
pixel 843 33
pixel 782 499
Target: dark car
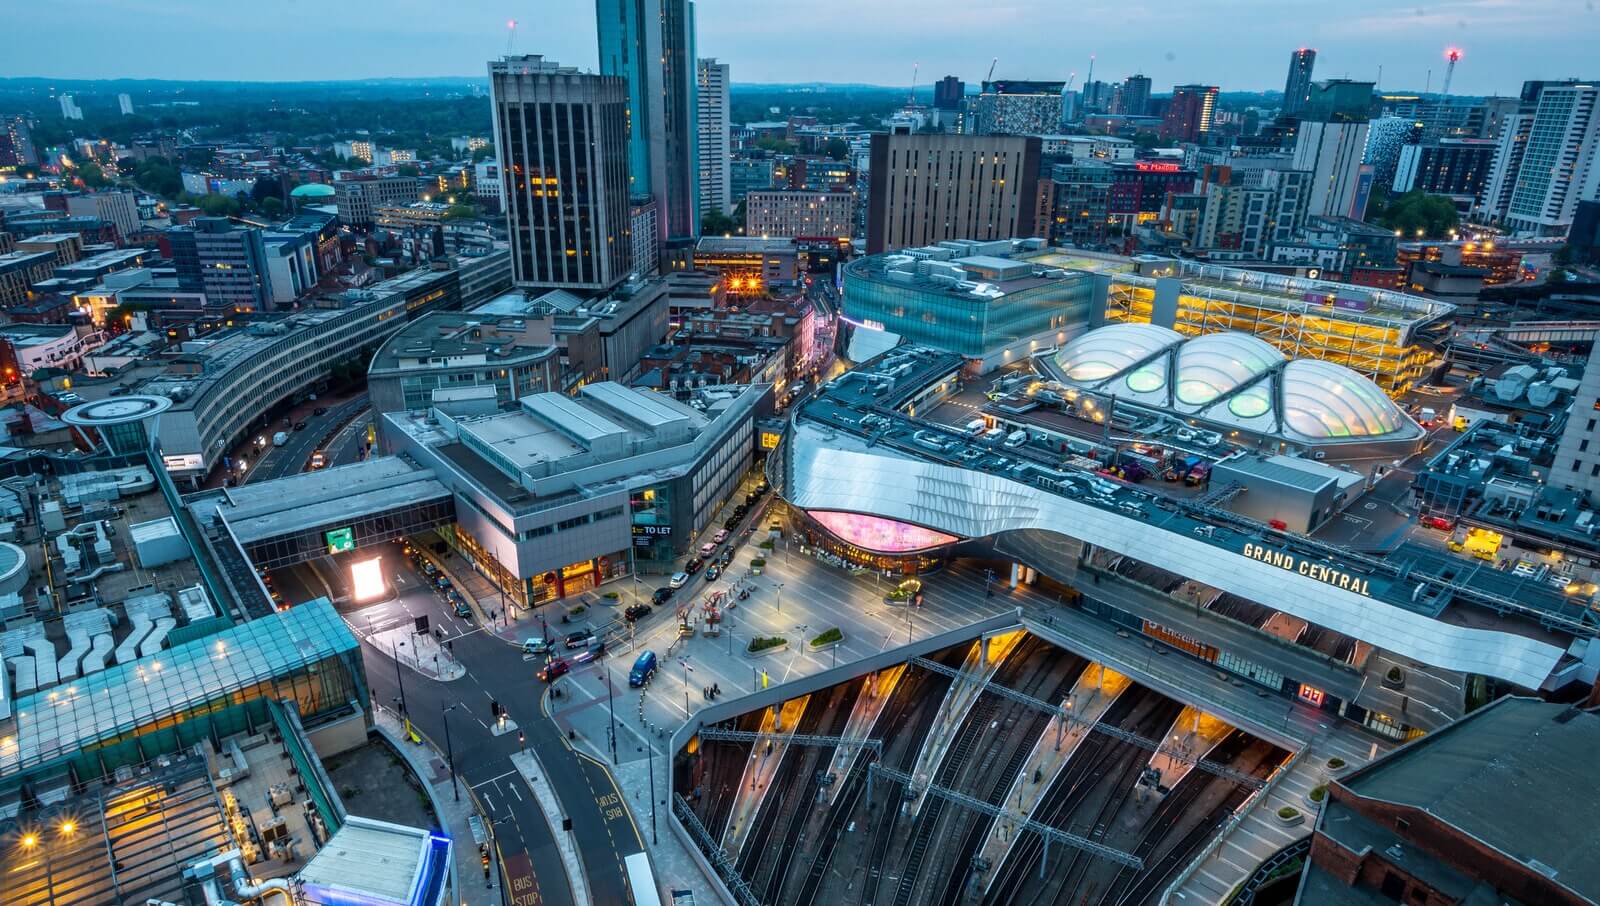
pixel 320 410
pixel 299 426
pixel 463 609
pixel 579 639
pixel 713 572
pixel 751 497
pixel 661 596
pixel 635 612
pixel 554 670
pixel 693 566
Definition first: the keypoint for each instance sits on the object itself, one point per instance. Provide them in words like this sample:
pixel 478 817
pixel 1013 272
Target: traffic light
pixel 494 708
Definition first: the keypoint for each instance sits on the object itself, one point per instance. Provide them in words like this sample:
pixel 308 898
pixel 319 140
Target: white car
pixel 678 580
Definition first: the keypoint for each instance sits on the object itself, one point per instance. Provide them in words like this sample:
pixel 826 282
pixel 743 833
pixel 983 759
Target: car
pixel 662 595
pixel 320 410
pixel 725 559
pixel 751 497
pixel 635 612
pixel 557 668
pixel 643 668
pixel 713 572
pixel 463 609
pixel 535 646
pixel 693 566
pixel 720 537
pixel 579 639
pixel 299 426
pixel 731 523
pixel 707 549
pixel 678 580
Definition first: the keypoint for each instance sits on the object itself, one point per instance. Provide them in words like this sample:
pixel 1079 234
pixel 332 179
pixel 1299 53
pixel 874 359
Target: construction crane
pixel 911 99
pixel 1452 54
pixel 992 64
pixel 1068 86
pixel 511 35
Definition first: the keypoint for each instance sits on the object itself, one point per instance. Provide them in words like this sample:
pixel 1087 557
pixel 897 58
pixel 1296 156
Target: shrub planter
pixel 1289 816
pixel 826 640
pixel 1317 795
pixel 763 646
pixel 1395 678
pixel 757 565
pixel 1336 763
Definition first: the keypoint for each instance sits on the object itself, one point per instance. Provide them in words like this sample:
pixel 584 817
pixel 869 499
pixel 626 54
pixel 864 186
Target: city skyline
pixel 1504 43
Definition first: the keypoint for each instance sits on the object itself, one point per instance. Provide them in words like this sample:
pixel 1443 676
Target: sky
pixel 1237 44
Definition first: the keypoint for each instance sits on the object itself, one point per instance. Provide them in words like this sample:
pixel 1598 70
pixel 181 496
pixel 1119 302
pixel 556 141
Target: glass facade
pixel 652 511
pixel 204 689
pixel 966 323
pixel 880 535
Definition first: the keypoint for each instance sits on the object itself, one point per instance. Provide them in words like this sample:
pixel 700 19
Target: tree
pixel 482 154
pixel 271 207
pixel 460 212
pixel 408 170
pixel 91 174
pixel 1419 214
pixel 218 206
pixel 716 223
pixel 837 148
pixel 776 145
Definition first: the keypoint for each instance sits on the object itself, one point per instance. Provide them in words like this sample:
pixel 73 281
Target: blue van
pixel 642 669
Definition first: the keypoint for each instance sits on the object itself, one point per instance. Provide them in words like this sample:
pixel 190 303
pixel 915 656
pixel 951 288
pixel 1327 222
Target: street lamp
pixel 450 751
pixel 780 597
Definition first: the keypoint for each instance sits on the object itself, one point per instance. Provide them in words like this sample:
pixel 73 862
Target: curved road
pixel 293 456
pixel 602 824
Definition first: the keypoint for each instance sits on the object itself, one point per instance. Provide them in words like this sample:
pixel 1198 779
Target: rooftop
pixel 453 339
pixel 378 863
pixel 1514 775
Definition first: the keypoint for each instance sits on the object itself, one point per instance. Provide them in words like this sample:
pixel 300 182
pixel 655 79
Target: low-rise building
pixel 749 264
pixel 567 493
pixel 359 197
pixel 789 213
pixel 445 351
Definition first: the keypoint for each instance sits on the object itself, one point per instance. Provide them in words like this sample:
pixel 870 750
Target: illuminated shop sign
pixel 1311 569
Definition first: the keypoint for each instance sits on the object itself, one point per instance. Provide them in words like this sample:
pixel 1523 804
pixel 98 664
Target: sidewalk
pixel 425 763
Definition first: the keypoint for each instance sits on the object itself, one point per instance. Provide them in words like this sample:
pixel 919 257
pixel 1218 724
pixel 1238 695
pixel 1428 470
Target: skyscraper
pixel 1559 166
pixel 1297 89
pixel 1330 143
pixel 948 92
pixel 562 136
pixel 650 43
pixel 1135 95
pixel 1189 115
pixel 713 108
pixel 125 104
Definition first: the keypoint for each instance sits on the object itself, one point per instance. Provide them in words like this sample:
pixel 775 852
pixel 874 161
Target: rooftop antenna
pixel 511 35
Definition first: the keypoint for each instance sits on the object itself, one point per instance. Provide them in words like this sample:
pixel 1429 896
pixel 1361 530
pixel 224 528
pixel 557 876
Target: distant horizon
pixel 1238 45
pixel 923 88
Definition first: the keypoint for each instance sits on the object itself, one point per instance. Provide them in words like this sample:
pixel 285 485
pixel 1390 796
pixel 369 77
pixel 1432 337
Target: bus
pixel 642 880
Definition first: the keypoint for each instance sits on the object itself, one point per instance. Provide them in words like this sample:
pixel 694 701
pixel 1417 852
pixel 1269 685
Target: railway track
pixel 836 717
pixel 1098 755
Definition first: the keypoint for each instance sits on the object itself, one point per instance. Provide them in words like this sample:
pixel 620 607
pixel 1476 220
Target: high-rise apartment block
pixel 1190 112
pixel 1134 97
pixel 118 208
pixel 225 260
pixel 69 108
pixel 1015 107
pixel 712 94
pixel 805 214
pixel 16 143
pixel 1558 165
pixel 562 136
pixel 650 44
pixel 930 188
pixel 948 93
pixel 125 104
pixel 1330 142
pixel 1297 89
pixel 1450 166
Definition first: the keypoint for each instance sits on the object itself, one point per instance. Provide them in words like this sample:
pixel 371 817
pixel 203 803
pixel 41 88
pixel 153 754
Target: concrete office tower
pixel 931 188
pixel 119 208
pixel 562 136
pixel 1297 89
pixel 715 187
pixel 1558 166
pixel 650 43
pixel 1135 95
pixel 69 108
pixel 1189 114
pixel 948 93
pixel 1387 136
pixel 1330 143
pixel 125 104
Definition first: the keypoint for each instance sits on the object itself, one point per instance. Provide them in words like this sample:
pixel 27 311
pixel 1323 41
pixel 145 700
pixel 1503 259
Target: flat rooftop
pixel 256 512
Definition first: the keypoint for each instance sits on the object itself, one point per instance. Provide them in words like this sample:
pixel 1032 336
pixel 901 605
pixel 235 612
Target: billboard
pixel 340 540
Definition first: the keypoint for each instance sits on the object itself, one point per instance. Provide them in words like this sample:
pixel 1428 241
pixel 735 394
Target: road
pixel 603 827
pixel 293 456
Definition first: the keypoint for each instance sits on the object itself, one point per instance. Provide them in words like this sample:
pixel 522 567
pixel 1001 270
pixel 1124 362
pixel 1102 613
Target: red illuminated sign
pixel 1156 166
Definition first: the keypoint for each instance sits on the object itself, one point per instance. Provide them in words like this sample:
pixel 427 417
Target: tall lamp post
pixel 450 750
pixel 780 597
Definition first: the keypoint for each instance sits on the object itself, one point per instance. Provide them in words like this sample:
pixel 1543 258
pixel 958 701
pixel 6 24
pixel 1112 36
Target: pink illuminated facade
pixel 880 535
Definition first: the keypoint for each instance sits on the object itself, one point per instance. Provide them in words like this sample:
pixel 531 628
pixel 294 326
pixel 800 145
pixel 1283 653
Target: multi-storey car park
pixel 1280 550
pixel 996 303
